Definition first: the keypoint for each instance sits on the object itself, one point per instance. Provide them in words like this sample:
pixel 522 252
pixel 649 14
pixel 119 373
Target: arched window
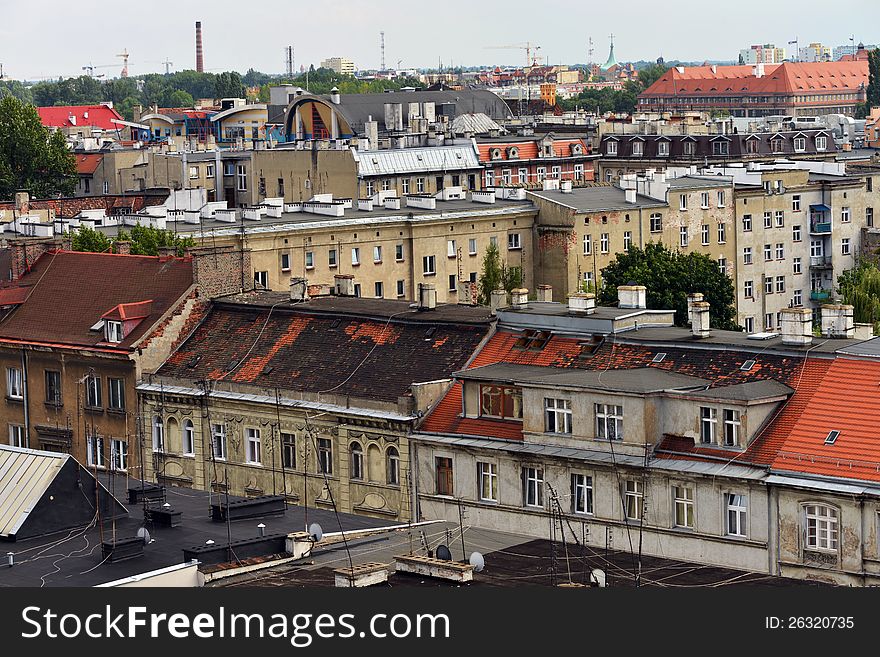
pixel 393 466
pixel 158 434
pixel 495 154
pixel 189 438
pixel 357 461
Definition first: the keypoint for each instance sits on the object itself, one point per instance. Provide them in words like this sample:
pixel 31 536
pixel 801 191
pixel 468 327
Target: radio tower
pixel 289 50
pixel 382 50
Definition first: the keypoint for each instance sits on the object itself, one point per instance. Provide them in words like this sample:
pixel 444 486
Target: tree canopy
pixel 860 288
pixel 31 157
pixel 145 240
pixel 669 277
pixel 496 276
pixel 617 100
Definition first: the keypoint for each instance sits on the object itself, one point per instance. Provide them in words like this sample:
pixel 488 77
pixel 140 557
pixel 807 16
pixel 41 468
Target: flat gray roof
pixel 752 390
pixel 596 199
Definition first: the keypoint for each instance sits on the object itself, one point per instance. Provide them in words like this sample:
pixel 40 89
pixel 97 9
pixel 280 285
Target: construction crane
pixel 529 47
pixel 91 70
pixel 165 62
pixel 124 55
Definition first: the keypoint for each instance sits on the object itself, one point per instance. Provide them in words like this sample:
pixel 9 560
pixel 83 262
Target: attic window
pixel 658 358
pixel 590 348
pixel 747 366
pixel 430 332
pixel 532 340
pixel 194 361
pixel 113 330
pixel 831 437
pixel 231 365
pixel 268 370
pixel 335 323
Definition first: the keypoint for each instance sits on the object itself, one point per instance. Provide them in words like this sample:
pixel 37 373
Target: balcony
pixel 820 296
pixel 820 262
pixel 820 227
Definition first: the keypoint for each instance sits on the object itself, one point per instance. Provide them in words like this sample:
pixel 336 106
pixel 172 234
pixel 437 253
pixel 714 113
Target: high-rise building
pixel 762 54
pixel 815 52
pixel 340 65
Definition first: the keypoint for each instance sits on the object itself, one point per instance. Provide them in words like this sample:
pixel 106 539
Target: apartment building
pixel 581 230
pixel 126 171
pixel 339 65
pixel 318 408
pixel 528 160
pixel 419 170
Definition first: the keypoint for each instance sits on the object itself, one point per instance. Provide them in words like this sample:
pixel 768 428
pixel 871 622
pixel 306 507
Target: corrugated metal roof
pixel 25 475
pixel 478 123
pixel 414 160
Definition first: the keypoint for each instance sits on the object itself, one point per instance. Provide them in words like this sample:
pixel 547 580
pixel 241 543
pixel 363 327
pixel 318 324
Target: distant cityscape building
pixel 762 54
pixel 611 62
pixel 851 52
pixel 339 65
pixel 815 52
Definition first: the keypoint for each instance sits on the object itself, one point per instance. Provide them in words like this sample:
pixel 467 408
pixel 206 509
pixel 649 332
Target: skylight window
pixel 748 365
pixel 533 340
pixel 658 357
pixel 831 438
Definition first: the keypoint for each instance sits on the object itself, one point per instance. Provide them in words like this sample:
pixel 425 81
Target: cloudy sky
pixel 50 38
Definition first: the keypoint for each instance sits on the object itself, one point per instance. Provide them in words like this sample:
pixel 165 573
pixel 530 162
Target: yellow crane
pixel 124 55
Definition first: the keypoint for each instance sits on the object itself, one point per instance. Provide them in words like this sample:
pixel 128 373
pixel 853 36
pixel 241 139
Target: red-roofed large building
pixel 527 161
pixel 790 88
pixel 78 330
pixel 714 447
pixel 80 120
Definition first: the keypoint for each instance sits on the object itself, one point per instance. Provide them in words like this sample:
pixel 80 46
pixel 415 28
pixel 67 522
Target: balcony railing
pixel 820 262
pixel 820 295
pixel 820 227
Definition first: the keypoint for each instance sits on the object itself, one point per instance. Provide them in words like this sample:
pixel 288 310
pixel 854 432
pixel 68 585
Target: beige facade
pixel 120 172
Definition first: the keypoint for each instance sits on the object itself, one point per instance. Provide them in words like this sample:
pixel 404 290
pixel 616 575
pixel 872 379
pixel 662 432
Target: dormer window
pixel 501 402
pixel 113 330
pixel 495 154
pixel 513 153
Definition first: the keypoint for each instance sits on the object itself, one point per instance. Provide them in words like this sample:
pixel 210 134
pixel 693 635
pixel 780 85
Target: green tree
pixel 177 98
pixel 31 157
pixel 496 276
pixel 228 85
pixel 860 288
pixel 87 239
pixel 669 277
pixel 147 240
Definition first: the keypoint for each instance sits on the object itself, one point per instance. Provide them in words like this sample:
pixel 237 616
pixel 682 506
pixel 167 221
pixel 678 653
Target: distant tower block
pixel 200 62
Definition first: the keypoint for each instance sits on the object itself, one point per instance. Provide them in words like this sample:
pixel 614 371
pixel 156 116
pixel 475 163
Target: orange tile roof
pixel 87 164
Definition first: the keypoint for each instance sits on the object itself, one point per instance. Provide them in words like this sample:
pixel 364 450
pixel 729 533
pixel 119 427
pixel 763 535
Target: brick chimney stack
pixel 200 62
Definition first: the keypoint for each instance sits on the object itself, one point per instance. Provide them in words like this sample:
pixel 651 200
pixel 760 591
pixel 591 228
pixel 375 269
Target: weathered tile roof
pixel 317 351
pixel 69 292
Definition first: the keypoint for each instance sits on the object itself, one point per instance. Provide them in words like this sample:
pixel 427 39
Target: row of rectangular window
pixel 115 389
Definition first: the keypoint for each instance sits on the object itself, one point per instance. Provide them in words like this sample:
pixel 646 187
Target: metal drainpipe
pixel 27 417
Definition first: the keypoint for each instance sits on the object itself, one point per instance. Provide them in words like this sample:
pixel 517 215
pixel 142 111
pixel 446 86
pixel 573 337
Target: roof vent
pixel 831 438
pixel 747 366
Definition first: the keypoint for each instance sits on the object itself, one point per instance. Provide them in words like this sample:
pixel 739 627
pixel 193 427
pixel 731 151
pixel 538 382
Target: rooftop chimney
pixel 467 293
pixel 343 285
pixel 427 296
pixel 582 302
pixel 200 62
pixel 498 300
pixel 631 296
pixel 797 326
pixel 545 293
pixel 299 289
pixel 693 298
pixel 700 319
pixel 334 96
pixel 838 321
pixel 519 298
pixel 630 195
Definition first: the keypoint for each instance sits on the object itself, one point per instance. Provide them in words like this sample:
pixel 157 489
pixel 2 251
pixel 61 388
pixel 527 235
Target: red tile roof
pixel 786 78
pixel 845 400
pixel 98 116
pixel 322 351
pixel 127 311
pixel 68 293
pixel 87 164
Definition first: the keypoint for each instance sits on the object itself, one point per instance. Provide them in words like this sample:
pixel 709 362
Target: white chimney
pixel 582 302
pixel 299 289
pixel 630 195
pixel 467 293
pixel 545 292
pixel 691 299
pixel 519 298
pixel 797 326
pixel 758 70
pixel 427 296
pixel 838 321
pixel 700 319
pixel 498 299
pixel 334 96
pixel 343 285
pixel 565 186
pixel 631 296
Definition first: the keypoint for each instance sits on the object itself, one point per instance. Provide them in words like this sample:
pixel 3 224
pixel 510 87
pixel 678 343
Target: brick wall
pixel 25 251
pixel 222 270
pixel 70 207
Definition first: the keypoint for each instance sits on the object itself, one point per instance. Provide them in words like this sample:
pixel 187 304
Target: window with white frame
pixel 780 218
pixel 796 233
pixel 609 421
pixel 119 455
pixel 533 487
pixel 379 289
pixel 704 234
pixel 331 258
pixel 748 289
pixel 796 203
pixel 310 259
pixel 634 494
pixel 404 185
pixel 845 246
pixel 189 438
pixel 398 252
pixel 14 383
pixel 662 148
pixel 288 450
pixel 627 239
pixel 768 219
pixel 487 476
pixel 17 436
pixel 158 434
pixel 780 251
pixel 747 255
pixel 722 233
pixel 821 143
pixel 797 298
pixel 722 265
pixel 637 148
pixel 683 497
pixel 844 215
pixel 95 451
pixel 768 252
pixel 355 256
pixel 749 325
pixel 747 223
pixel 581 493
pixel 93 391
pixel 241 176
pixel 731 426
pixel 541 173
pixel 555 172
pixel 683 236
pixel 513 241
pixel 113 330
pixel 578 171
pixel 115 394
pixel 325 456
pixel 428 265
pixel 709 423
pixel 490 179
pixel 472 246
pixel 704 200
pixel 611 147
pixel 253 446
pixel 780 284
pixel 588 245
pixel 370 188
pixel 392 458
pixel 401 288
pixel 682 202
pixel 721 198
pixel 604 243
pixel 820 527
pixel 218 441
pixel 800 144
pixel 737 514
pixel 285 262
pixel 357 461
pixel 420 185
pixel 656 222
pixel 377 254
pixel 557 414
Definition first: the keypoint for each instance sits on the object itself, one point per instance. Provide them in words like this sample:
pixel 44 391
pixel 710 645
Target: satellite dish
pixel 144 535
pixel 598 576
pixel 315 532
pixel 477 561
pixel 444 553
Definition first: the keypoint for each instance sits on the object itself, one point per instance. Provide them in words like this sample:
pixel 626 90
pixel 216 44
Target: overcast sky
pixel 50 38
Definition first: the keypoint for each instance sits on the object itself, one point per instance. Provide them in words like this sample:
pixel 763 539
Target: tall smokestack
pixel 200 63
